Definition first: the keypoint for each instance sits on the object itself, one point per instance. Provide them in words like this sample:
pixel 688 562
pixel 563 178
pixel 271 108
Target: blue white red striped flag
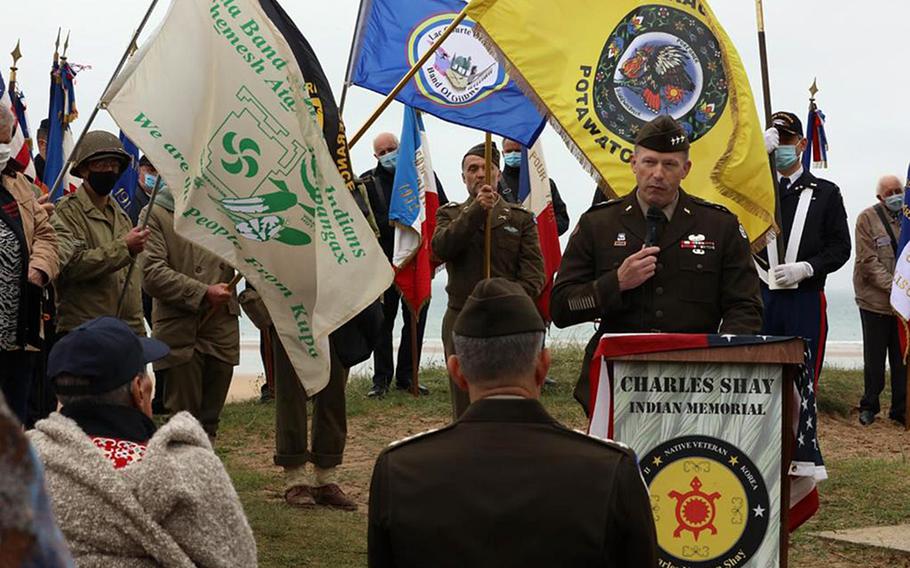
pixel 61 113
pixel 21 151
pixel 534 194
pixel 412 209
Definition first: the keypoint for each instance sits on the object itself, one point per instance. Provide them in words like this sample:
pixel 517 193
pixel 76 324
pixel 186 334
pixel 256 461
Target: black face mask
pixel 103 182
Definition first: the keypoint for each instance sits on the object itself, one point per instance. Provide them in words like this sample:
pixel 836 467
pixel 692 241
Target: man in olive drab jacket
pixel 97 241
pixel 185 282
pixel 659 259
pixel 459 242
pixel 506 484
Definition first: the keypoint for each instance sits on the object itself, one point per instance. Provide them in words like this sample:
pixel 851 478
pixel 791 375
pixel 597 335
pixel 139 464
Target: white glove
pixel 791 274
pixel 772 139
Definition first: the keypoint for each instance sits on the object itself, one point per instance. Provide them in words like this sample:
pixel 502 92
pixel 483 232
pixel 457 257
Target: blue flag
pixel 125 190
pixel 61 112
pixel 461 83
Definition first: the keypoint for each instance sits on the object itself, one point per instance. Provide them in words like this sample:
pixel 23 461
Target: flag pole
pixel 408 76
pixel 91 119
pixel 145 224
pixel 347 73
pixel 488 228
pixel 766 96
pixel 415 356
pixel 231 285
pixel 763 56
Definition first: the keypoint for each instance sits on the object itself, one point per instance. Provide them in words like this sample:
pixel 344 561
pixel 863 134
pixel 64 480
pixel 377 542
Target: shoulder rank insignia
pixel 413 437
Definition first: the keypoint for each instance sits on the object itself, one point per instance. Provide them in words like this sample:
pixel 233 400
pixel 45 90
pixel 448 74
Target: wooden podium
pixel 659 395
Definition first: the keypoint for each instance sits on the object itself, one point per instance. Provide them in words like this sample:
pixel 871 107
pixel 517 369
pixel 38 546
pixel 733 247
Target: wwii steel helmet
pixel 100 144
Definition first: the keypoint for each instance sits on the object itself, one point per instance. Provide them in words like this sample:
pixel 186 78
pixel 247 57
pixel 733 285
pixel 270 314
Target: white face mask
pixel 5 152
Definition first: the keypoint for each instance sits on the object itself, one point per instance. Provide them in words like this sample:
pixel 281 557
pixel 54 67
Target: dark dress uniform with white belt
pixel 705 280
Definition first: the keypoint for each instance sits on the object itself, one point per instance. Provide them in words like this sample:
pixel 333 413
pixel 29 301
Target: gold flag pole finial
pixel 66 45
pixel 813 89
pixel 17 55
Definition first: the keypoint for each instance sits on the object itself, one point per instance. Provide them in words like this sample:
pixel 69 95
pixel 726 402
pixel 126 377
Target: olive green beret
pixel 479 150
pixel 663 134
pixel 498 307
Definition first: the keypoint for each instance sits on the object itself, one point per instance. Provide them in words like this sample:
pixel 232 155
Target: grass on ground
pixel 869 473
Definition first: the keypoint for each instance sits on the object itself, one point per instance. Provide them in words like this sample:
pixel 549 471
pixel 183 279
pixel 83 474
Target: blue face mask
pixel 389 160
pixel 785 157
pixel 150 181
pixel 894 202
pixel 512 159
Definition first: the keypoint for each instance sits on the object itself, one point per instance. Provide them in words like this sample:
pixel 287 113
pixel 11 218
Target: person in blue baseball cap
pixel 123 491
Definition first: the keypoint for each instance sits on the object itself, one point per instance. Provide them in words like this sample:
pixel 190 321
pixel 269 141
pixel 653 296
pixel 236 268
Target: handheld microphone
pixel 654 219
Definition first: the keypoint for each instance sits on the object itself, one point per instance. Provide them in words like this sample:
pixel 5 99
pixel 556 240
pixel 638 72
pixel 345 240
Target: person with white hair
pixel 877 232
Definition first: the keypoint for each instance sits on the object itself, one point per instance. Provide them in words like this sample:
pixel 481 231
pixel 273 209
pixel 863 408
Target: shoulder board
pixel 69 197
pixel 606 203
pixel 518 207
pixel 612 444
pixel 710 204
pixel 418 436
pixel 450 204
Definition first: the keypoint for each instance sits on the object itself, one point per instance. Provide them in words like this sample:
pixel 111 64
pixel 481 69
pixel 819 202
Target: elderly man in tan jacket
pixel 877 235
pixel 185 282
pixel 28 263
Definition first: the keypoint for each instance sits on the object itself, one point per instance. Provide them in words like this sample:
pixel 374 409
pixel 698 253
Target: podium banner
pixel 708 437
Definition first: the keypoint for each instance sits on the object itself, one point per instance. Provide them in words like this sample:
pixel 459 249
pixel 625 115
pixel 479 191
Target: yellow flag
pixel 603 69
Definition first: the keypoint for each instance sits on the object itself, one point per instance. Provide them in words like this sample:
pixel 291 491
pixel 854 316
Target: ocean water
pixel 843 320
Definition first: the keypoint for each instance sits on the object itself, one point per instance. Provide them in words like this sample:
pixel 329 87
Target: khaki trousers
pixel 330 421
pixel 200 387
pixel 460 398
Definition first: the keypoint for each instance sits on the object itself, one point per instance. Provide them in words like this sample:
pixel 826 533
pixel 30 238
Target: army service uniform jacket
pixel 507 485
pixel 176 274
pixel 705 281
pixel 94 262
pixel 459 242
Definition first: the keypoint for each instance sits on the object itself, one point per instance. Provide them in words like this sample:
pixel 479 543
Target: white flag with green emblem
pixel 218 103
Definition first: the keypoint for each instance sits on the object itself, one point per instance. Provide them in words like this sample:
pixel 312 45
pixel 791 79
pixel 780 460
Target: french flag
pixel 534 195
pixel 21 152
pixel 412 209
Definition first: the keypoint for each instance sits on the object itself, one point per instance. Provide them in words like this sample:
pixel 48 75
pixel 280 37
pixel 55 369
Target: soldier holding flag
pixel 459 242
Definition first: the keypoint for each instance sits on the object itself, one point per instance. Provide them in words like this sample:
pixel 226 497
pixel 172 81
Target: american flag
pixel 807 468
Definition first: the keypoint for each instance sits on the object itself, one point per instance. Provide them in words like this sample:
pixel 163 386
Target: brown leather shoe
pixel 333 497
pixel 300 496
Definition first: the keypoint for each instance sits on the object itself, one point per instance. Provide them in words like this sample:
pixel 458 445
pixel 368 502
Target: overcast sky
pixel 855 49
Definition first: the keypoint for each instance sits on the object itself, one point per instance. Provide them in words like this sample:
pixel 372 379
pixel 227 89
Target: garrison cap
pixel 498 307
pixel 479 150
pixel 787 123
pixel 144 161
pixel 663 134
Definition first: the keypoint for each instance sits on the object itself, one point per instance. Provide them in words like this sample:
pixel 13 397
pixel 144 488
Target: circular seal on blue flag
pixel 660 60
pixel 709 500
pixel 462 71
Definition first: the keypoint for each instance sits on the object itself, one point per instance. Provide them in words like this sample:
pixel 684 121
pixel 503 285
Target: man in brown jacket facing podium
pixel 659 259
pixel 506 484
